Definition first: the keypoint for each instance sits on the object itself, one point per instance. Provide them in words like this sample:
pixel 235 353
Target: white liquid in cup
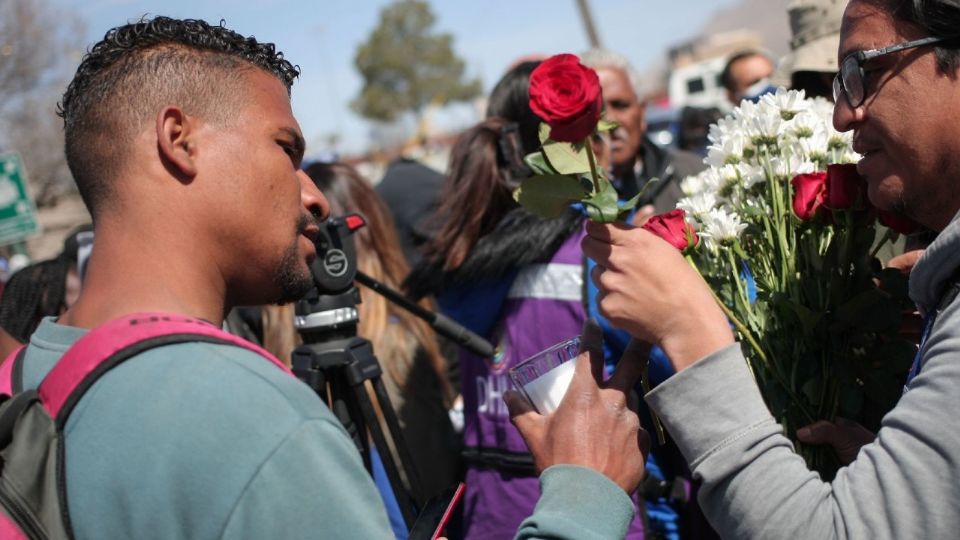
pixel 546 392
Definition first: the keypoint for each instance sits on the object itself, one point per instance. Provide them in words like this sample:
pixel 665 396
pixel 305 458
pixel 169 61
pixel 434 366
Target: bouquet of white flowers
pixel 787 243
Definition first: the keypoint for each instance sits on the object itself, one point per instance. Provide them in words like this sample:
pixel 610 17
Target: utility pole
pixel 588 24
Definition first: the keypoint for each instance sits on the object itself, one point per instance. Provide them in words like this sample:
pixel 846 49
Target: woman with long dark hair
pixel 415 371
pixel 510 276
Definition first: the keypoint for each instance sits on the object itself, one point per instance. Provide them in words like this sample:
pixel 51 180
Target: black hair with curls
pixel 138 68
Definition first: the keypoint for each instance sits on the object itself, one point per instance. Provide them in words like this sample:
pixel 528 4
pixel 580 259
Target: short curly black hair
pixel 139 67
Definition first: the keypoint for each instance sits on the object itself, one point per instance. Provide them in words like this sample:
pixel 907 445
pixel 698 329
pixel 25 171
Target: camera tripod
pixel 340 366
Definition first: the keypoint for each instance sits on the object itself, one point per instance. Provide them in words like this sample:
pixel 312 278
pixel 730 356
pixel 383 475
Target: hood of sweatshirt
pixel 939 263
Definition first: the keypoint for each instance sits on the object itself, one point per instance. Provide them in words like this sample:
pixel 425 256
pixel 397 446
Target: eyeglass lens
pixel 852 81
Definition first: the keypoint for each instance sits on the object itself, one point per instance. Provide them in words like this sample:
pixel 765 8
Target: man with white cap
pixel 811 63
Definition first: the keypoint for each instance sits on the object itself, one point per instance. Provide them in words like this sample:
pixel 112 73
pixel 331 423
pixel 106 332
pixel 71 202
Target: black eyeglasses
pixel 849 80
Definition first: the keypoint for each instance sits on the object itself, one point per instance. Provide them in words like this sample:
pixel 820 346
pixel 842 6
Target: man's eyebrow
pixel 299 145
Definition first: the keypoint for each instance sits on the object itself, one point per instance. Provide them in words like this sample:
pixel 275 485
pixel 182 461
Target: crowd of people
pixel 180 137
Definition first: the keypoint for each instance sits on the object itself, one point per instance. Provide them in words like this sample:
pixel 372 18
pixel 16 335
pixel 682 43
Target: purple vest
pixel 544 307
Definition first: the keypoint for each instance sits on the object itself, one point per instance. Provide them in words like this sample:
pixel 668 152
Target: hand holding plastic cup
pixel 544 377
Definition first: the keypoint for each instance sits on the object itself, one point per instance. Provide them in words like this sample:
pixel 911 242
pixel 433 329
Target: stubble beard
pixel 292 277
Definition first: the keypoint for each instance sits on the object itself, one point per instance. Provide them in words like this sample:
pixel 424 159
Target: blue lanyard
pixel 951 291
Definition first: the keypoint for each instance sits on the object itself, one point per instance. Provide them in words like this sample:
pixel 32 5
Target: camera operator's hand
pixel 594 426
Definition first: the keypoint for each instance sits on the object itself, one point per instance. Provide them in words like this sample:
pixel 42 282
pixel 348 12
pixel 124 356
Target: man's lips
pixel 311 232
pixel 864 147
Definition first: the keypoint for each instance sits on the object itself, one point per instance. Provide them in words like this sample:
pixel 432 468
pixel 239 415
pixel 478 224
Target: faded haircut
pixel 126 78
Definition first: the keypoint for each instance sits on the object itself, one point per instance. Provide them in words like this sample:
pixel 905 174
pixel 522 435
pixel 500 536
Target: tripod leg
pixel 404 499
pixel 400 443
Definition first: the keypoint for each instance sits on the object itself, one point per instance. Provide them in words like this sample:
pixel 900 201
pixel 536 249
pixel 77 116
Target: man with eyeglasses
pixel 899 92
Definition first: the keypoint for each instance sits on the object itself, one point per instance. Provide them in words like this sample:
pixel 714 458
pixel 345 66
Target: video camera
pixel 332 304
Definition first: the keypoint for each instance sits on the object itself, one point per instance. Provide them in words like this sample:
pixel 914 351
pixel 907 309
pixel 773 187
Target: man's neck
pixel 126 275
pixel 629 170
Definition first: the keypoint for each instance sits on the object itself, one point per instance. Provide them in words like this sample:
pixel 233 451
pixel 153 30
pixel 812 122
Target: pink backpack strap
pixel 118 340
pixel 9 530
pixel 6 372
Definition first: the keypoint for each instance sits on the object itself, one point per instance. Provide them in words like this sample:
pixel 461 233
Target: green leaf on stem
pixel 547 196
pixel 606 125
pixel 603 207
pixel 626 206
pixel 562 157
pixel 566 158
pixel 538 163
pixel 544 132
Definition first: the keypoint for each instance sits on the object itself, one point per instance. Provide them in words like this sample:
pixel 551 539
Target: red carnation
pixel 673 228
pixel 809 192
pixel 566 95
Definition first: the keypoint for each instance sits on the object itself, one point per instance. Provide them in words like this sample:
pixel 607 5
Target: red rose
pixel 566 95
pixel 897 222
pixel 809 192
pixel 844 186
pixel 673 228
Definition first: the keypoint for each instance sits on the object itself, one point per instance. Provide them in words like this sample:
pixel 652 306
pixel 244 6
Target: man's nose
pixel 846 117
pixel 311 197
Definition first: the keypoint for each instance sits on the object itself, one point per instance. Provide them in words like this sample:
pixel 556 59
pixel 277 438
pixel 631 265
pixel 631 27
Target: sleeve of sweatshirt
pixel 904 485
pixel 325 490
pixel 578 503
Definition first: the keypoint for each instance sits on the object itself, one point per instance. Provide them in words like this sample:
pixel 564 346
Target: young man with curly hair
pixel 182 141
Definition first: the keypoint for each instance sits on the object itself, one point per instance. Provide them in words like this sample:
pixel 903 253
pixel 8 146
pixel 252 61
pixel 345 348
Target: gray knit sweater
pixel 904 485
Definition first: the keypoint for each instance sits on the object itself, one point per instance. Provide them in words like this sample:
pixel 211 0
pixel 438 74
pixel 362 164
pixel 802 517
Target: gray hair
pixel 603 58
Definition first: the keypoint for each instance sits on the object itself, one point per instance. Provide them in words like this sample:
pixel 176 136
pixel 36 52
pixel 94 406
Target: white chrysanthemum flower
pixel 804 125
pixel 823 108
pixel 712 181
pixel 723 128
pixel 728 150
pixel 787 103
pixel 698 183
pixel 746 110
pixel 840 141
pixel 751 175
pixel 729 174
pixel 792 166
pixel 849 156
pixel 765 127
pixel 815 147
pixel 721 225
pixel 697 206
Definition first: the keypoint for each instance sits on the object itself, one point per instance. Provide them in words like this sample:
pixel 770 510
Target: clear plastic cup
pixel 544 377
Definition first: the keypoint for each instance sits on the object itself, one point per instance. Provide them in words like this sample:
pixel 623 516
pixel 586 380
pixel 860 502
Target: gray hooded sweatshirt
pixel 906 484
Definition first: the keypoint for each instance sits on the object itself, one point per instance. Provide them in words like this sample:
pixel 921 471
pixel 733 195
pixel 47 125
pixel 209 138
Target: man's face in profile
pixel 268 208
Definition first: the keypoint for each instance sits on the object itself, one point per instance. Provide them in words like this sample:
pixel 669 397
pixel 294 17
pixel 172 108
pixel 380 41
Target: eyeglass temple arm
pixel 873 53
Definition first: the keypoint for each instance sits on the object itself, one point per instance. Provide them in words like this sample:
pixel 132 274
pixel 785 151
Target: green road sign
pixel 18 214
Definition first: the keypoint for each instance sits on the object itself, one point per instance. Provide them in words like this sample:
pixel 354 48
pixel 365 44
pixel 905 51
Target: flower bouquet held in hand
pixel 566 95
pixel 787 244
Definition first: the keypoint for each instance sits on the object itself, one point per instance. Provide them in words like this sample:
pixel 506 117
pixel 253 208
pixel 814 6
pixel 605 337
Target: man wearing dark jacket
pixel 634 159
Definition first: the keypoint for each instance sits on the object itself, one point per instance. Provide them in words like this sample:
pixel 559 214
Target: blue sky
pixel 321 36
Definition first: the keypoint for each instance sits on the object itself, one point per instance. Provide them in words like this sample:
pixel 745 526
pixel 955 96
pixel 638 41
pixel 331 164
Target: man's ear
pixel 175 142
